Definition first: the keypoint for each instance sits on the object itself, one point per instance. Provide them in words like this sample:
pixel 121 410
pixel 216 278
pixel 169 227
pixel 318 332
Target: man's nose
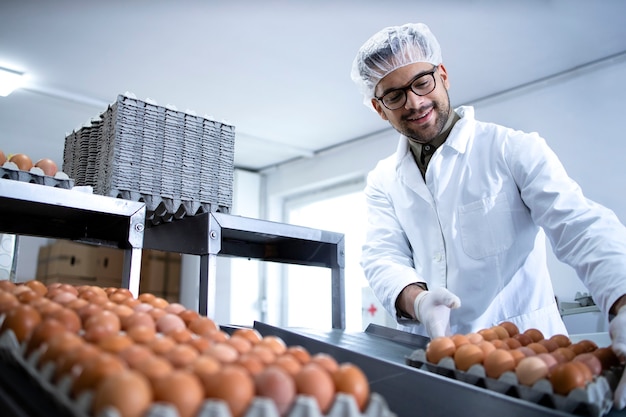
pixel 413 101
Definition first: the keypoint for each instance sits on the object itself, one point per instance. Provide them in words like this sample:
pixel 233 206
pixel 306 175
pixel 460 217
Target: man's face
pixel 421 118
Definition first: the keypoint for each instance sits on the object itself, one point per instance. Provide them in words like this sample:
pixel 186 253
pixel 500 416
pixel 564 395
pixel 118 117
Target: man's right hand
pixel 432 309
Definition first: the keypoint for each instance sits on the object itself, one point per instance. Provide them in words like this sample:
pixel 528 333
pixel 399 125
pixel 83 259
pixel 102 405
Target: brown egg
pixel 583 346
pixel 72 361
pixel 188 316
pixel 58 345
pixel 115 343
pixel 512 343
pixel 48 166
pixel 142 334
pixel 326 361
pixel 275 343
pixel 201 344
pixel 561 340
pixel 530 370
pixel 526 351
pixel 223 352
pixel 537 347
pixel 103 320
pixel 202 326
pixel 22 320
pixel 550 345
pixel 459 339
pixel 264 353
pixel 592 362
pixel 160 303
pixel 161 344
pixel 95 370
pixel 204 365
pixel 23 161
pixel 439 348
pixel 137 318
pixel 252 335
pixel 468 355
pixel 240 343
pixel 300 353
pixel 276 384
pixel 475 338
pixel 182 389
pixel 501 332
pixel 289 363
pixel 37 286
pixel 486 346
pixel 315 381
pixel 129 392
pixel 549 359
pixel 175 308
pixel 181 355
pixel 523 338
pixel 607 357
pixel 3 157
pixel 8 301
pixel 43 332
pixel 488 334
pixel 517 355
pixel 510 327
pixel 350 379
pixel 498 362
pixel 534 334
pixel 69 318
pixel 500 344
pixel 232 384
pixel 154 367
pixel 134 354
pixel 253 363
pixel 565 352
pixel 565 377
pixel 181 335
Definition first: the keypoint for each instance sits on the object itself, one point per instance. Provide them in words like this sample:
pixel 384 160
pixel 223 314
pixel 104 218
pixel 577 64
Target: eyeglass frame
pixel 409 86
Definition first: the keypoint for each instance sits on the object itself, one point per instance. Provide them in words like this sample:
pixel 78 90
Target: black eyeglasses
pixel 421 85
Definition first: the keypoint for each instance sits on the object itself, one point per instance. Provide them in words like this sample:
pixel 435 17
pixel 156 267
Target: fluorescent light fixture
pixel 9 81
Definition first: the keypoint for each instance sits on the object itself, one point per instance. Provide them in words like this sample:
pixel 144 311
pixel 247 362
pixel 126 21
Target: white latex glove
pixel 432 309
pixel 617 330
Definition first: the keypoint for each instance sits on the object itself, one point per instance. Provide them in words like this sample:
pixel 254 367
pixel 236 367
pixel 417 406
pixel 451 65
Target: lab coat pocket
pixel 486 226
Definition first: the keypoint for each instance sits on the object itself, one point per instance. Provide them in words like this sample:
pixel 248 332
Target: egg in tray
pixel 102 352
pixel 20 167
pixel 577 378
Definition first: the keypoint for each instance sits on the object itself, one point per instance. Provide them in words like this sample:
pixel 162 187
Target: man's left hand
pixel 617 330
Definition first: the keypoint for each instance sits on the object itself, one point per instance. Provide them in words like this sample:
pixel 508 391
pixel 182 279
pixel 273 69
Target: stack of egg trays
pixel 13 173
pixel 177 163
pixel 304 406
pixel 595 400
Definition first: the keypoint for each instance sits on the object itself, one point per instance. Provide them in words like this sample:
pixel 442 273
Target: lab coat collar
pixel 457 139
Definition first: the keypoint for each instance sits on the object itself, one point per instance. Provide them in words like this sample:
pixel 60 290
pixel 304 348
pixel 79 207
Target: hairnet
pixel 389 49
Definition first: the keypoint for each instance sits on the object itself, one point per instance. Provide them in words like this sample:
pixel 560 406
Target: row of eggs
pixel 25 163
pixel 132 352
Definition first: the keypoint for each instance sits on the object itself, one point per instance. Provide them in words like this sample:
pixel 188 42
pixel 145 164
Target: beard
pixel 425 134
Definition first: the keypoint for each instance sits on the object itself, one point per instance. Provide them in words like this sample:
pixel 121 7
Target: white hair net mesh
pixel 389 49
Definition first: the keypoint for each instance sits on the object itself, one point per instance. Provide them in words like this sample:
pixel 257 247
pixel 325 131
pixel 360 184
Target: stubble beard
pixel 442 110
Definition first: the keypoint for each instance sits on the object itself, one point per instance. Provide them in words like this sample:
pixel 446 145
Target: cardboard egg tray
pixel 304 406
pixel 10 171
pixel 178 163
pixel 595 400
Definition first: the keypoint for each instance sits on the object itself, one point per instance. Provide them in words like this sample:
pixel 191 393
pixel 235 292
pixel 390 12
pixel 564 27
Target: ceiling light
pixel 9 81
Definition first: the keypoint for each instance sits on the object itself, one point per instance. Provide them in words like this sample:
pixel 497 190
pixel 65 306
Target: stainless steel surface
pixel 45 211
pixel 212 234
pixel 410 391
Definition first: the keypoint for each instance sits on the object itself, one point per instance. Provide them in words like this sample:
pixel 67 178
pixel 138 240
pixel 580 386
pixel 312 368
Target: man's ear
pixel 379 109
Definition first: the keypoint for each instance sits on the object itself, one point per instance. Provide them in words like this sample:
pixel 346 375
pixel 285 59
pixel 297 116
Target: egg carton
pixel 595 400
pixel 35 176
pixel 178 163
pixel 344 405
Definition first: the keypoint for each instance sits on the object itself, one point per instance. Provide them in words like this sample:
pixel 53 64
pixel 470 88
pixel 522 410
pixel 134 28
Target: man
pixel 456 217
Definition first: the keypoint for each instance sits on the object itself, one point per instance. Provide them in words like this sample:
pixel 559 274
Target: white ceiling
pixel 279 71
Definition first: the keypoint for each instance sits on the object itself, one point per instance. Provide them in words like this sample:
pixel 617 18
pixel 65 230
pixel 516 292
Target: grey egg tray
pixel 304 406
pixel 595 400
pixel 178 163
pixel 12 173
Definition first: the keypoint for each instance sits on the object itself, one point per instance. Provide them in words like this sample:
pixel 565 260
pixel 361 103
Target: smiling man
pixel 457 217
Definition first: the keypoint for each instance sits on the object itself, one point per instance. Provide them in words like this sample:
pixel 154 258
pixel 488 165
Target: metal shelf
pixel 45 211
pixel 212 234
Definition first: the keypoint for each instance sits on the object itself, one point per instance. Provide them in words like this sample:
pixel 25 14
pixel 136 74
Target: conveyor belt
pixel 382 352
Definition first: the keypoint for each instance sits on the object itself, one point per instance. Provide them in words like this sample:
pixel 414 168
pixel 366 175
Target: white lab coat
pixel 476 226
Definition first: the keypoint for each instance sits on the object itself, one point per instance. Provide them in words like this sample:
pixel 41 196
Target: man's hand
pixel 432 309
pixel 617 330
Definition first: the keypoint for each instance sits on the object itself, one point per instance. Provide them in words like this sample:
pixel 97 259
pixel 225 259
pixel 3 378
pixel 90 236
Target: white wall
pixel 579 115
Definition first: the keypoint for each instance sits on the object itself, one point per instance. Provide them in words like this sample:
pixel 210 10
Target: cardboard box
pixel 82 264
pixel 160 273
